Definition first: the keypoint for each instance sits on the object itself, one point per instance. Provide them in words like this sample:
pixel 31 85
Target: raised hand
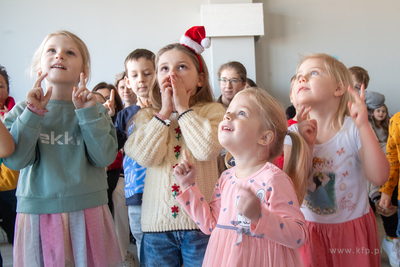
pixel 358 109
pixel 166 97
pixel 249 205
pixel 36 95
pixel 180 94
pixel 110 104
pixel 185 172
pixel 307 128
pixel 82 98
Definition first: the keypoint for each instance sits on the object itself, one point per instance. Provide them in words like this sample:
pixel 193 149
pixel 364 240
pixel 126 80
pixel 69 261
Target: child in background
pixel 126 94
pixel 64 140
pixel 232 79
pixel 388 201
pixel 8 178
pixel 254 216
pixel 141 79
pixel 388 190
pixel 337 131
pixel 8 181
pixel 379 121
pixel 6 101
pixel 6 142
pixel 185 117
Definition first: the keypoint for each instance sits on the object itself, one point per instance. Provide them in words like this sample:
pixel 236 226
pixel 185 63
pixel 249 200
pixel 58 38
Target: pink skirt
pixel 352 243
pixel 79 238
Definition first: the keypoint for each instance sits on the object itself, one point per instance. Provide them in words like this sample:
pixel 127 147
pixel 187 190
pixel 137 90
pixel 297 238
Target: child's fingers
pixel 38 93
pixel 112 97
pixel 39 79
pixel 82 80
pixel 140 102
pixel 90 97
pixel 186 165
pixel 180 170
pixel 49 93
pixel 185 155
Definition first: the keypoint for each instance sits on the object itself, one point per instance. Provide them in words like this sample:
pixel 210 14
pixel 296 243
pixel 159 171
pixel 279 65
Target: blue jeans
pixel 135 213
pixel 175 248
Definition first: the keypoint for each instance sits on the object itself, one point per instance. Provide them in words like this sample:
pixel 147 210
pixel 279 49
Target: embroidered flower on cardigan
pixel 177 151
pixel 174 211
pixel 178 132
pixel 175 190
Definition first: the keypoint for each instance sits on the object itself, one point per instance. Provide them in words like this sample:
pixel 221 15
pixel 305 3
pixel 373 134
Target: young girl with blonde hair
pixel 63 141
pixel 254 216
pixel 338 128
pixel 183 117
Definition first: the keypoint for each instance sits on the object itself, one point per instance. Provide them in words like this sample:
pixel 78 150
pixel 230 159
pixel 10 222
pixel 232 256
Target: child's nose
pixel 59 55
pixel 303 79
pixel 227 117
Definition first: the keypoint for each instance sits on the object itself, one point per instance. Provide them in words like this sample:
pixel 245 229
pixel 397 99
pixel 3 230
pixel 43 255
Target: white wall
pixel 110 29
pixel 359 32
pixel 365 33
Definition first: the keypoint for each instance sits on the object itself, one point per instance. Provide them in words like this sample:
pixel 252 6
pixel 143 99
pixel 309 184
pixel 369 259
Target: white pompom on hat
pixel 195 39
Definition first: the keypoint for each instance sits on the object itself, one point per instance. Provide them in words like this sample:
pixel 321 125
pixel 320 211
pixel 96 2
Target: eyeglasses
pixel 233 81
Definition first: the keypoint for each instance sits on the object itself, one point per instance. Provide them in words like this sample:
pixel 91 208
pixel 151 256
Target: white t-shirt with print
pixel 336 191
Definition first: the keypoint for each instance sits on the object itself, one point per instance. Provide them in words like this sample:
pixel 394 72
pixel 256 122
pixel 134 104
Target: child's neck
pixel 325 131
pixel 378 123
pixel 246 166
pixel 61 91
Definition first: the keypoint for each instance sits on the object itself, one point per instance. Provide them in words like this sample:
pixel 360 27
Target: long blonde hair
pixel 35 64
pixel 273 118
pixel 341 76
pixel 203 94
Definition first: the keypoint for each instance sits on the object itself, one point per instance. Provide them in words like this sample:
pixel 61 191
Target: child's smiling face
pixel 241 127
pixel 62 60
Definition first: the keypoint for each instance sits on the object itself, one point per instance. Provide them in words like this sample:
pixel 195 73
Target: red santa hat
pixel 195 39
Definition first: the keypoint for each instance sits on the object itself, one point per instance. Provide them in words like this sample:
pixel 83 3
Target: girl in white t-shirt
pixel 342 228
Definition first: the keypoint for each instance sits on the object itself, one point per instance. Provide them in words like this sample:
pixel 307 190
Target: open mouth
pixel 58 66
pixel 225 128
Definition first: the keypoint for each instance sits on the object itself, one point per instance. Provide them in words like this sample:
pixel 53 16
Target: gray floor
pixel 6 249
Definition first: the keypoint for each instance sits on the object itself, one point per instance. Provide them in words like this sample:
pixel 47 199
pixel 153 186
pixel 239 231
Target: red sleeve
pixel 117 164
pixel 10 103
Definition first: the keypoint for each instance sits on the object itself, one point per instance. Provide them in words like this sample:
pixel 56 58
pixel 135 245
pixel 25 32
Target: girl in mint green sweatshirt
pixel 63 141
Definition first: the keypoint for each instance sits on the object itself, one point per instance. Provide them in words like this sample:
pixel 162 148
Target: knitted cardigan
pixel 159 148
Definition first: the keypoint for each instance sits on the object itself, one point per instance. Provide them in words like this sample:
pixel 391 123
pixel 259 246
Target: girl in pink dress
pixel 253 217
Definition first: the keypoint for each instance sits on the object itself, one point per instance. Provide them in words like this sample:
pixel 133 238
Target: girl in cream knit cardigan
pixel 185 118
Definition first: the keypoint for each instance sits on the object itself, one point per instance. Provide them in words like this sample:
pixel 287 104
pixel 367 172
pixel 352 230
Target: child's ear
pixel 340 89
pixel 202 78
pixel 128 84
pixel 266 138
